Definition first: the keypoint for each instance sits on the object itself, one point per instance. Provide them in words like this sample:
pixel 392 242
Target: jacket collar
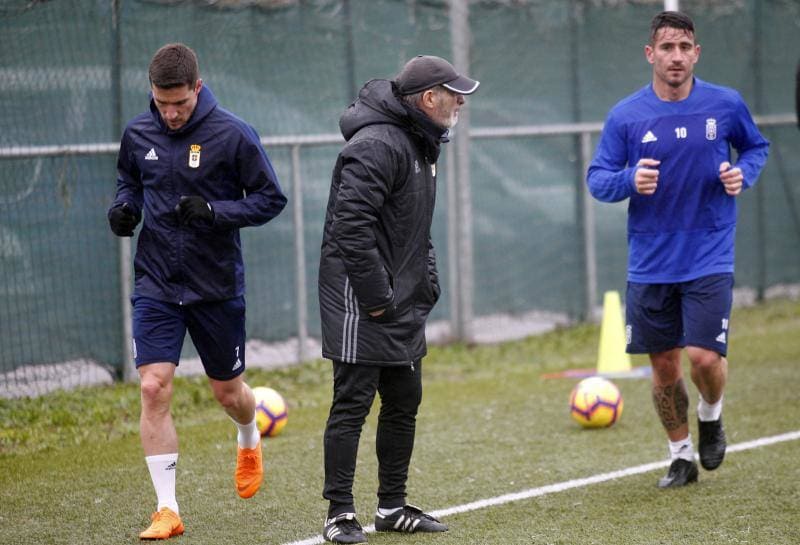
pixel 430 135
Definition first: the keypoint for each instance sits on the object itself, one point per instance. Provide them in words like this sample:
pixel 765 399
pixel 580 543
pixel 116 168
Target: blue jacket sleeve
pixel 610 179
pixel 129 182
pixel 748 142
pixel 263 196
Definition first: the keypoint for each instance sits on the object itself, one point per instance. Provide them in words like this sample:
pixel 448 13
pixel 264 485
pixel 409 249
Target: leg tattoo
pixel 672 404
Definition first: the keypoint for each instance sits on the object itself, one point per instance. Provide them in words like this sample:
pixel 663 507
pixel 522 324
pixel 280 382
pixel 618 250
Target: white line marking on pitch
pixel 575 483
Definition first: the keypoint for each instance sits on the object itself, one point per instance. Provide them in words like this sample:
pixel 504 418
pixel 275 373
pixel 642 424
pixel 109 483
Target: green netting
pixel 289 68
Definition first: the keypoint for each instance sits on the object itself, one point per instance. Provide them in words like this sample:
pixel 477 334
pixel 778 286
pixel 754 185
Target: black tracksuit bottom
pixel 354 388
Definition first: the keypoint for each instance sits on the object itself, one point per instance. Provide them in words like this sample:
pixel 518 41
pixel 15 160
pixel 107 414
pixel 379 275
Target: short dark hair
pixel 670 19
pixel 174 65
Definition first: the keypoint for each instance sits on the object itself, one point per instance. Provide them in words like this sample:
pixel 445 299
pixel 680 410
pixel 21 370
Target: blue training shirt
pixel 686 229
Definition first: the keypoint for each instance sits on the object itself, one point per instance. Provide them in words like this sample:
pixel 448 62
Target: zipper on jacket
pixel 180 229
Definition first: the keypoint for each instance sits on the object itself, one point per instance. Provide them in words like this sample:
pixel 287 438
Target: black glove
pixel 123 220
pixel 194 208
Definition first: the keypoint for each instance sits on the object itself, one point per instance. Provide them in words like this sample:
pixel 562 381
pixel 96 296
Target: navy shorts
pixel 660 317
pixel 216 328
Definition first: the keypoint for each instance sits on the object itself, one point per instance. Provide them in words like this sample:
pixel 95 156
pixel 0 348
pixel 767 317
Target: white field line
pixel 575 483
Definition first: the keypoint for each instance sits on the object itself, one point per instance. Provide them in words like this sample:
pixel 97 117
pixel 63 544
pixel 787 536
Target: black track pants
pixel 354 387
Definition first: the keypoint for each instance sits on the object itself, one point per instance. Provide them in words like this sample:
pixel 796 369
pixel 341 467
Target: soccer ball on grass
pixel 595 402
pixel 271 411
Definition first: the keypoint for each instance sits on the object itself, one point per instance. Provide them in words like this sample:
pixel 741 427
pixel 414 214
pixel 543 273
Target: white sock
pixel 682 449
pixel 386 512
pixel 708 412
pixel 248 436
pixel 162 472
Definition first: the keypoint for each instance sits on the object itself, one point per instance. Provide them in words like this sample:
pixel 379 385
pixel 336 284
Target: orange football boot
pixel 166 523
pixel 249 471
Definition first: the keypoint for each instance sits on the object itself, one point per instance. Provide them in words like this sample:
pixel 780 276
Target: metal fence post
pixel 589 249
pixel 761 198
pixel 128 367
pixel 452 241
pixel 460 43
pixel 128 371
pixel 299 255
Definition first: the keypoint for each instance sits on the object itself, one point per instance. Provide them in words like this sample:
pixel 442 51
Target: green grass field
pixel 489 425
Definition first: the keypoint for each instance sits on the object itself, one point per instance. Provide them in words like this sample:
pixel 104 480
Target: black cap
pixel 426 71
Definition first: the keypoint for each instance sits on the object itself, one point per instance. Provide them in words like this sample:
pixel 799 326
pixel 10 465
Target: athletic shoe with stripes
pixel 409 519
pixel 343 528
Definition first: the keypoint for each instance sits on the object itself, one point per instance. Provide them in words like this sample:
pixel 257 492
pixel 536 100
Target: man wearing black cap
pixel 378 282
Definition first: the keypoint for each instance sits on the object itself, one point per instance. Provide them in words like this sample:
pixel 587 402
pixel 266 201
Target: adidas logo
pixel 172 466
pixel 721 337
pixel 236 365
pixel 332 528
pixel 332 532
pixel 406 524
pixel 649 137
pixel 151 155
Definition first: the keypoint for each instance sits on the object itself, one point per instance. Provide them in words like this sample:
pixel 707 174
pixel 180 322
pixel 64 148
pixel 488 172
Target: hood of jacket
pixel 377 103
pixel 206 103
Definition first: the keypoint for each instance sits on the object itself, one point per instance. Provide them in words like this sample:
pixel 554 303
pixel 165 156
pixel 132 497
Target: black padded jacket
pixel 376 248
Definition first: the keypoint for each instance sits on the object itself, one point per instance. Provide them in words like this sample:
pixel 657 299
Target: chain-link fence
pixel 73 72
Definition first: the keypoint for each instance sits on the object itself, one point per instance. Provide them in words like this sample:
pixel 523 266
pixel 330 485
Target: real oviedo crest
pixel 194 155
pixel 711 129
